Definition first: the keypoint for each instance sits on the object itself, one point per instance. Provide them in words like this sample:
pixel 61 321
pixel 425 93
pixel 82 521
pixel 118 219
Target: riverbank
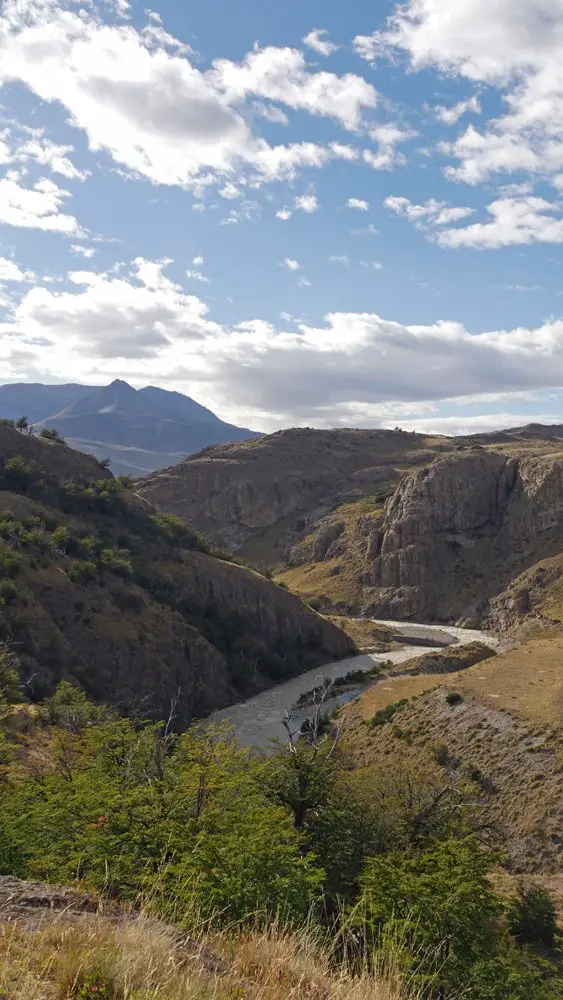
pixel 260 719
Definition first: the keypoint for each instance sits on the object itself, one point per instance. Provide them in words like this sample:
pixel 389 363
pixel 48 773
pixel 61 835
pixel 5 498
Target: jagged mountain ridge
pixel 383 522
pixel 139 430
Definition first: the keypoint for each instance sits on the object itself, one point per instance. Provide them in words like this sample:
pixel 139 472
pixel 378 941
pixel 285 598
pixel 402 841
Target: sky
pixel 315 214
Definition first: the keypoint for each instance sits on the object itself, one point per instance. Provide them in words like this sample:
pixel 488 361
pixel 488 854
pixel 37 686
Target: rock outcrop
pixel 458 530
pixel 235 493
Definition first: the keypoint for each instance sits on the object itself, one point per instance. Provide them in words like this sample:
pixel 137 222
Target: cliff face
pixel 457 531
pixel 95 586
pixel 285 481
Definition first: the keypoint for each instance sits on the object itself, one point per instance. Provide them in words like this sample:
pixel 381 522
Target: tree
pixel 22 423
pixel 439 904
pixel 9 678
pixel 532 917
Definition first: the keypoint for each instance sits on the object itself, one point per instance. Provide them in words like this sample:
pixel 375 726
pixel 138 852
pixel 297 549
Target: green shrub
pixel 82 570
pixel 453 698
pixel 117 560
pixel 19 474
pixel 441 753
pixel 532 917
pixel 384 715
pixel 50 434
pixel 8 592
pixel 10 562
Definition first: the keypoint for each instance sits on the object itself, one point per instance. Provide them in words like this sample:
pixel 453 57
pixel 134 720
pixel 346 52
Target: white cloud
pixel 230 191
pixel 197 276
pixel 270 112
pixel 387 156
pixel 303 282
pixel 433 212
pixel 371 265
pixel 290 264
pixel 318 41
pixel 284 214
pixel 51 155
pixel 515 221
pixel 139 98
pixel 477 423
pixel 452 114
pixel 148 328
pixel 515 45
pixel 339 259
pixel 82 251
pixel 10 271
pixel 358 203
pixel 198 261
pixel 307 203
pixel 36 208
pixel 280 74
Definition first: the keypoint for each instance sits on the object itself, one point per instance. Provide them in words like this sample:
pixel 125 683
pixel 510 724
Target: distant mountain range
pixel 139 430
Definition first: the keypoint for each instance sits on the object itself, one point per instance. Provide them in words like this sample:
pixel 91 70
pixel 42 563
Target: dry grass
pixel 369 636
pixel 526 681
pixel 335 582
pixel 144 960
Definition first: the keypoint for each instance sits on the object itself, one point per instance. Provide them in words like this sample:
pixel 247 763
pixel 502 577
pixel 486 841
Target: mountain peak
pixel 118 383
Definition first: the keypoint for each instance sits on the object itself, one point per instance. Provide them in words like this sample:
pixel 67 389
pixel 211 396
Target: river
pixel 257 721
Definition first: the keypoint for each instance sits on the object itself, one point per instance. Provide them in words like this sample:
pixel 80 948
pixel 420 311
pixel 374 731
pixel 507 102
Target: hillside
pixel 138 430
pixel 497 724
pixel 380 522
pixel 95 586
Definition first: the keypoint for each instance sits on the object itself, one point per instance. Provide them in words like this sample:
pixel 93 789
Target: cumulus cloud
pixel 144 325
pixel 284 214
pixel 290 264
pixel 452 114
pixel 82 251
pixel 362 206
pixel 307 203
pixel 318 41
pixel 138 97
pixel 10 271
pixel 437 213
pixel 515 45
pixel 388 138
pixel 515 221
pixel 38 207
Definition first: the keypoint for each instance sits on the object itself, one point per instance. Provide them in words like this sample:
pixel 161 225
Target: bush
pixel 10 562
pixel 532 917
pixel 453 698
pixel 82 570
pixel 117 560
pixel 441 754
pixel 19 474
pixel 8 592
pixel 385 714
pixel 50 434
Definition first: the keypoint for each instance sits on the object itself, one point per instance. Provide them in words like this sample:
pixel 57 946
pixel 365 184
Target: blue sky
pixel 311 214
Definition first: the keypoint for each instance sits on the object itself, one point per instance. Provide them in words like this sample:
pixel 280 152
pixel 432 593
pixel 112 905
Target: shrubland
pixel 291 845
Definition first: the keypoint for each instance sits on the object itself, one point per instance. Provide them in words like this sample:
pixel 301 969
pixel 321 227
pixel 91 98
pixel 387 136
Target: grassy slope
pixel 507 731
pixel 145 959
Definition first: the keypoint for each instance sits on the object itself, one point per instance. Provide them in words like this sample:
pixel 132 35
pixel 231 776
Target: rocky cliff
pixel 274 489
pixel 456 532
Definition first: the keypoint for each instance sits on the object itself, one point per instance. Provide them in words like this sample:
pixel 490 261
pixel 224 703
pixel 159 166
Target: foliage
pixel 453 698
pixel 440 903
pixel 384 715
pixel 19 474
pixel 532 917
pixel 9 678
pixel 51 434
